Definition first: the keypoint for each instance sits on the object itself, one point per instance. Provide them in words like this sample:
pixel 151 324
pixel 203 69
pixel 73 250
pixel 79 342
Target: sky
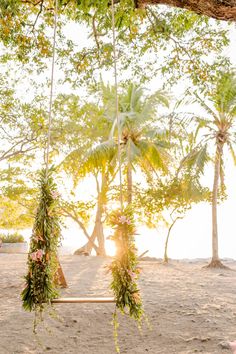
pixel 190 237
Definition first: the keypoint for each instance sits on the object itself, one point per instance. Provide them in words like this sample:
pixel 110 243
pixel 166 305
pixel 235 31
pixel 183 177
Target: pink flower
pixel 123 220
pixel 33 256
pixel 55 194
pixel 132 274
pixel 37 255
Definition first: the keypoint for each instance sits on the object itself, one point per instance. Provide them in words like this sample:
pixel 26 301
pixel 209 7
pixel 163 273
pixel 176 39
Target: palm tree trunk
pixel 165 258
pixel 129 184
pixel 88 247
pixel 215 255
pixel 96 234
pixel 98 226
pixel 98 230
pixel 215 261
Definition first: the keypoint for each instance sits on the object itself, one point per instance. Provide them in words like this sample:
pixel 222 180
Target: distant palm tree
pixel 141 143
pixel 219 127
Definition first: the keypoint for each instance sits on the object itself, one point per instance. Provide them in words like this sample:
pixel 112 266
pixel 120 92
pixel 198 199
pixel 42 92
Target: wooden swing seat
pixel 83 300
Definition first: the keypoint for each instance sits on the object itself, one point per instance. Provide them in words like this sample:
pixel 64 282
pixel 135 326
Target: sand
pixel 191 310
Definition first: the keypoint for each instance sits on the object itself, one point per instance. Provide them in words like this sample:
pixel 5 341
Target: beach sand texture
pixel 191 310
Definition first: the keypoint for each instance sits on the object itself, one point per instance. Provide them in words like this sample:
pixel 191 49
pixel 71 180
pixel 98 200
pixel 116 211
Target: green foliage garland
pixel 40 286
pixel 124 268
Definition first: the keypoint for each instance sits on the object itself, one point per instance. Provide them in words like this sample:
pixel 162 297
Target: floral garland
pixel 124 268
pixel 40 286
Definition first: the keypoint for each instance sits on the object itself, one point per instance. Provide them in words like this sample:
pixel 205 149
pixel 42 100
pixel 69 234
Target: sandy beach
pixel 190 309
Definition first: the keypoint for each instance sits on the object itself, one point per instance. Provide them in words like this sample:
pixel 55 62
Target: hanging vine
pixel 124 268
pixel 41 278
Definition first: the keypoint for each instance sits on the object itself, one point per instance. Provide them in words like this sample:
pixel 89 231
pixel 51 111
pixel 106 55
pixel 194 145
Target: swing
pixel 83 300
pixel 96 300
pixel 40 287
pixel 79 300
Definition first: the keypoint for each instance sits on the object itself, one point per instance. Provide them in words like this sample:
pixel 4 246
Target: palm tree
pixel 142 144
pixel 89 154
pixel 219 127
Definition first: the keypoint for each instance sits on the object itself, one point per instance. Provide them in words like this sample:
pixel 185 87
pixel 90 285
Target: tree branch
pixel 81 225
pixel 21 148
pixel 219 9
pixel 38 14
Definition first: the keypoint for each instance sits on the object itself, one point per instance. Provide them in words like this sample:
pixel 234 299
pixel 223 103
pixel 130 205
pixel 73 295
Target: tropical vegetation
pixel 153 162
pixel 12 238
pixel 218 124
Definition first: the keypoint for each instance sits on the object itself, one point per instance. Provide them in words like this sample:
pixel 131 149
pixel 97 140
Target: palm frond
pixel 136 110
pixel 160 97
pixel 134 151
pixel 202 123
pixel 232 151
pixel 98 157
pixel 156 155
pixel 225 93
pixel 206 107
pixel 196 159
pixel 157 134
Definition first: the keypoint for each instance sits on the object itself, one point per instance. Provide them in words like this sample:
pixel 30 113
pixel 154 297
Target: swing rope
pixel 124 268
pixel 60 275
pixel 51 87
pixel 44 271
pixel 117 116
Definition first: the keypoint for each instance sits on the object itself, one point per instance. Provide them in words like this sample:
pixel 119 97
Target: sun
pixel 110 248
